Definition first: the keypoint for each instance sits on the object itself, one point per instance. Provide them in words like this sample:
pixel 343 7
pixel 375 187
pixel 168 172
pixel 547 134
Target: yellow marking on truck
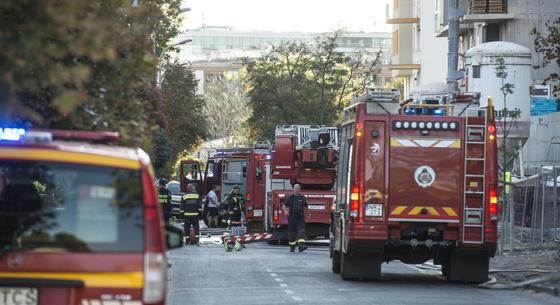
pixel 415 211
pixel 398 210
pixel 36 154
pixel 107 280
pixel 450 212
pixel 432 211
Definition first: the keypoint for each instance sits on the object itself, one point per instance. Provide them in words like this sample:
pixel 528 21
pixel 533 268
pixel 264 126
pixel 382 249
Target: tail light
pixel 248 196
pixel 155 267
pixel 493 203
pixel 359 127
pixel 155 264
pixel 491 132
pixel 354 201
pixel 276 217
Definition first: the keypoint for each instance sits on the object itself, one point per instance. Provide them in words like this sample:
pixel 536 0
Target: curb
pixel 554 291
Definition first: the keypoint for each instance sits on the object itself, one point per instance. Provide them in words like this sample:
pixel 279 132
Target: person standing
pixel 164 198
pixel 236 208
pixel 191 205
pixel 295 206
pixel 213 204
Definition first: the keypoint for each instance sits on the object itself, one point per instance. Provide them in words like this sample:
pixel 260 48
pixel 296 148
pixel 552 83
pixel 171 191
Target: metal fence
pixel 536 209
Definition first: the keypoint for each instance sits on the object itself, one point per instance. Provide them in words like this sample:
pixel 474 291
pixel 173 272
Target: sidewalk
pixel 526 264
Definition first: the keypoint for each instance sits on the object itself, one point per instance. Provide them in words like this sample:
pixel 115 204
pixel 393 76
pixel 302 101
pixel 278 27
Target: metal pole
pixel 542 206
pixel 534 209
pixel 511 217
pixel 524 209
pixel 555 195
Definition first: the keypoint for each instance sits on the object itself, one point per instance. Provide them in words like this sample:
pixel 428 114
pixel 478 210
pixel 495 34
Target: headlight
pixel 429 125
pixel 421 125
pixel 413 125
pixel 398 124
pixel 452 125
pixel 444 125
pixel 406 125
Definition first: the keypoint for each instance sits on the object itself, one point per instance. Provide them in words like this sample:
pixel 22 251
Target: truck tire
pixel 335 261
pixel 466 268
pixel 360 266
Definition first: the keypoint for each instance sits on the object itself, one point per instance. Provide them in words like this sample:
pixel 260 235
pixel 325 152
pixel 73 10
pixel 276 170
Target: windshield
pixel 174 187
pixel 69 207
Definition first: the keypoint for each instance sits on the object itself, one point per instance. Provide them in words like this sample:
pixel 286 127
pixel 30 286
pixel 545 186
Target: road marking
pixel 278 280
pixel 283 285
pixel 273 274
pixel 297 299
pixel 288 291
pixel 268 270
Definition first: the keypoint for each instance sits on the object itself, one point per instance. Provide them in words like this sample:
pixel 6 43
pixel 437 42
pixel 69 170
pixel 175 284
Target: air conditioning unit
pixel 540 91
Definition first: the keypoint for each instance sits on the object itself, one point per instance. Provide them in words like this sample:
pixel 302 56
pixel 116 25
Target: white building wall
pixel 429 51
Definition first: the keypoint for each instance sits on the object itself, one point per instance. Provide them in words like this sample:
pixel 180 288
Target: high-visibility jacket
pixel 164 198
pixel 191 204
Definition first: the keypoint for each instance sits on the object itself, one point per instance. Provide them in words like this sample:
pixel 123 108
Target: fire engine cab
pixel 306 155
pixel 415 182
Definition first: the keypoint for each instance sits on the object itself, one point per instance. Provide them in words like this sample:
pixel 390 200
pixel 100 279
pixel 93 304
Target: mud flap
pixel 360 266
pixel 335 261
pixel 466 268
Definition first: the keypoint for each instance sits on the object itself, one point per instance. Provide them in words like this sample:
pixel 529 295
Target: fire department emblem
pixel 425 176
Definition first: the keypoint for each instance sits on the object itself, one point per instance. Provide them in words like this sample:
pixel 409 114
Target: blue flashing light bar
pixel 438 111
pixel 12 134
pixel 410 111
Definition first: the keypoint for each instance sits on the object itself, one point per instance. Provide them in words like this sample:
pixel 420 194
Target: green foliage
pixel 298 83
pixel 549 46
pixel 77 64
pixel 227 110
pixel 181 113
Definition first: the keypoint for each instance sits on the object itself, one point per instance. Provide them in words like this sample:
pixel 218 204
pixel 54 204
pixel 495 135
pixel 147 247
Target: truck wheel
pixel 360 267
pixel 335 261
pixel 466 268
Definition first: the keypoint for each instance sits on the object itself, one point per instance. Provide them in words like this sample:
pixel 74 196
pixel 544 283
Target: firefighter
pixel 236 208
pixel 191 205
pixel 295 206
pixel 164 199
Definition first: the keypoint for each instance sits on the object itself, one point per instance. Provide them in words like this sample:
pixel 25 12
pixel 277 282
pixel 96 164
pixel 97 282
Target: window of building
pixel 493 32
pixel 476 71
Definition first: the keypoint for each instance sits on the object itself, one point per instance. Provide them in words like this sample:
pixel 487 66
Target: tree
pixel 76 64
pixel 182 116
pixel 549 47
pixel 299 83
pixel 227 110
pixel 506 119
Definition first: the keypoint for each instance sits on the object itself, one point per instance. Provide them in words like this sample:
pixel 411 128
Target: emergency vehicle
pixel 242 167
pixel 305 155
pixel 416 182
pixel 80 223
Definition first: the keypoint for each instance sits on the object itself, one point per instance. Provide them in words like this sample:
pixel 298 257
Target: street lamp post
pixel 159 74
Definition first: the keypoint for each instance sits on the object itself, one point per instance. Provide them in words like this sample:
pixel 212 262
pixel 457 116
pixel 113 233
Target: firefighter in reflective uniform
pixel 191 205
pixel 295 206
pixel 164 197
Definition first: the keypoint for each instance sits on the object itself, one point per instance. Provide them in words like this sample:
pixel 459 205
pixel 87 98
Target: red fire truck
pixel 415 182
pixel 243 167
pixel 305 155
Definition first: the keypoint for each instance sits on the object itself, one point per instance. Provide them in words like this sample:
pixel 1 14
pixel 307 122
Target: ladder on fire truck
pixel 474 196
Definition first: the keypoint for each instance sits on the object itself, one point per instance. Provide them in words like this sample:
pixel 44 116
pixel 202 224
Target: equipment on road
pixel 415 182
pixel 235 242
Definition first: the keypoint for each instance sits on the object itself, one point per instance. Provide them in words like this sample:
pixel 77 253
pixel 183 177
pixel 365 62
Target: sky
pixel 288 15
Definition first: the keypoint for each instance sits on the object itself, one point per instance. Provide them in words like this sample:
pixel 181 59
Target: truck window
pixel 70 207
pixel 233 171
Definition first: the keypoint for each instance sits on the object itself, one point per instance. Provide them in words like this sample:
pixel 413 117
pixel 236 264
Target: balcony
pixel 489 11
pixel 402 20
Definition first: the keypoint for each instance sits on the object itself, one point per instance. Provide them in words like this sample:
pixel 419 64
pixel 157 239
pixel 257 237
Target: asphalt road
pixel 263 274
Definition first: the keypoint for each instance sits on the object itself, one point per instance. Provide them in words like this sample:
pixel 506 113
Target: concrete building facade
pixel 216 51
pixel 418 57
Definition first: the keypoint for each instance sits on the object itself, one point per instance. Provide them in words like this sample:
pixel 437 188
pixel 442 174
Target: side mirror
pixel 173 237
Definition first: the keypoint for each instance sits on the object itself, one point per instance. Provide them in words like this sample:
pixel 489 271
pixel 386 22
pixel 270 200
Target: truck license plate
pixel 374 210
pixel 18 296
pixel 316 207
pixel 257 213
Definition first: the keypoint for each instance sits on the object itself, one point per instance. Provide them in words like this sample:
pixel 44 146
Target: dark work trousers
pixel 166 213
pixel 191 221
pixel 296 229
